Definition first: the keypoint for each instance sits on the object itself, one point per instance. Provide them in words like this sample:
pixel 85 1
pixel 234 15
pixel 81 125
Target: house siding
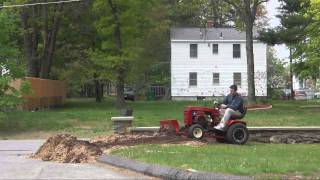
pixel 208 63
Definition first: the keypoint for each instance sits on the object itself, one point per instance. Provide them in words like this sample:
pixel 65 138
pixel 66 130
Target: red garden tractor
pixel 199 122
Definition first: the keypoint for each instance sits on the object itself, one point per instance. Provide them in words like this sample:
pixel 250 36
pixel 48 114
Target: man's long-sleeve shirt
pixel 234 102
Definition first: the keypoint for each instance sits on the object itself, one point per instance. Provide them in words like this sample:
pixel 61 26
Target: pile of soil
pixel 67 148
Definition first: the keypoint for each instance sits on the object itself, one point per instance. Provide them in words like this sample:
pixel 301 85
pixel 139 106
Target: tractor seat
pixel 242 115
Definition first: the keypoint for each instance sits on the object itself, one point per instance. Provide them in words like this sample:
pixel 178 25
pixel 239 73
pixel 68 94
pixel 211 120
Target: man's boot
pixel 220 126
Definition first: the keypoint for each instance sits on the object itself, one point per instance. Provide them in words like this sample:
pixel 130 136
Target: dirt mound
pixel 67 149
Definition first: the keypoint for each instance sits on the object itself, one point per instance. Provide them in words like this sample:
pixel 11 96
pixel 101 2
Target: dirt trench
pixel 66 148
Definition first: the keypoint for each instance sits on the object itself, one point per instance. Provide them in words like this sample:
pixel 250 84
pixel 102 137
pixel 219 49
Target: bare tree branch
pixel 237 6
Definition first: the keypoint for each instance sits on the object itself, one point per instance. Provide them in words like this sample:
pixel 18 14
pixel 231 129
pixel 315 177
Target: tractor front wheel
pixel 196 131
pixel 237 134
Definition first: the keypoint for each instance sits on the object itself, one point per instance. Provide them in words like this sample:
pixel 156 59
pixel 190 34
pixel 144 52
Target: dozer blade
pixel 170 125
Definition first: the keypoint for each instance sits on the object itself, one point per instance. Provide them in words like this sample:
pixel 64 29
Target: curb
pixel 162 171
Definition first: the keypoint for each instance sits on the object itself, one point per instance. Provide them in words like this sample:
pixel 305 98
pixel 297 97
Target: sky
pixel 281 50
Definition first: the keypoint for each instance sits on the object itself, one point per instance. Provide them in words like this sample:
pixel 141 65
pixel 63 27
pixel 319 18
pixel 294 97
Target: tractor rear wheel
pixel 237 134
pixel 196 131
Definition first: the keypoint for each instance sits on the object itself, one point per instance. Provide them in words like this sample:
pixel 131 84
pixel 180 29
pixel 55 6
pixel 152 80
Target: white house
pixel 205 62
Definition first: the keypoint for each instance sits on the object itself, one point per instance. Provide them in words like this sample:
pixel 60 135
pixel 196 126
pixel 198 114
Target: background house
pixel 205 62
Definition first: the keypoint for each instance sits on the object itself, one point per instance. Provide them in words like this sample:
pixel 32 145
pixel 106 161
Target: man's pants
pixel 227 113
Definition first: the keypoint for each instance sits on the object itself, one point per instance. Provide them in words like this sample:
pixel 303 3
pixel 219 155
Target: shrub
pixel 274 93
pixel 10 97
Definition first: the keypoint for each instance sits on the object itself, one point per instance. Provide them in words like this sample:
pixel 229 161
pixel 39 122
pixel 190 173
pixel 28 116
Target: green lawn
pixel 254 159
pixel 86 118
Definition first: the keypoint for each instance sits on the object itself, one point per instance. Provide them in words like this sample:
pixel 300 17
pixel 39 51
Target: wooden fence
pixel 45 93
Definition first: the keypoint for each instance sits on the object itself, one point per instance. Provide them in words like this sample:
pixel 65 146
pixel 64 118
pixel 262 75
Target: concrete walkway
pixel 16 164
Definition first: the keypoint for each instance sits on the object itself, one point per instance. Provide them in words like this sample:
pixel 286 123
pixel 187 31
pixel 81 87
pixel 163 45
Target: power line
pixel 40 3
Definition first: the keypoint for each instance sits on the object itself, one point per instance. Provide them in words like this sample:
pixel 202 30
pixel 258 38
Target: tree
pixel 39 29
pixel 10 65
pixel 10 51
pixel 275 71
pixel 153 66
pixel 198 13
pixel 77 35
pixel 121 26
pixel 247 11
pixel 307 51
pixel 292 30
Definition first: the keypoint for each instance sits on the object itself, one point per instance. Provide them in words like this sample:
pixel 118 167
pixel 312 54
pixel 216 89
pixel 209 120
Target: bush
pixel 274 93
pixel 10 97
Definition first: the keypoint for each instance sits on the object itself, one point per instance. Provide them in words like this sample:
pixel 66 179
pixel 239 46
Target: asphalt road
pixel 16 164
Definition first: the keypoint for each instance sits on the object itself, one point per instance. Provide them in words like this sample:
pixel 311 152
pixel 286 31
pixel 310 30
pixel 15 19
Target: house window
pixel 193 79
pixel 216 77
pixel 215 48
pixel 193 50
pixel 236 51
pixel 237 79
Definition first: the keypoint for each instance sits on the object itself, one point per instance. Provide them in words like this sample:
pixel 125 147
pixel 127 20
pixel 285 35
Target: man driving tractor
pixel 232 106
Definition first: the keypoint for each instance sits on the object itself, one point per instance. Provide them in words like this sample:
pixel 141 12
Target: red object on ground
pixel 170 123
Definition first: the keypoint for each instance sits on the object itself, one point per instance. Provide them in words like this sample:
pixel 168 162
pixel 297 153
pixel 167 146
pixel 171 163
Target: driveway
pixel 16 164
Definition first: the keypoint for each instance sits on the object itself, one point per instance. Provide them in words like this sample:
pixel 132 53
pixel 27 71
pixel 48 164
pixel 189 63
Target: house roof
pixel 212 34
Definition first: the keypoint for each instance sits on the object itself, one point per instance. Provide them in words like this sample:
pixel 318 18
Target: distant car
pixel 129 93
pixel 310 93
pixel 300 95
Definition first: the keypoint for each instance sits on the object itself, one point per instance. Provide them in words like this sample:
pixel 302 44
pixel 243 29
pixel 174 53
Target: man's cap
pixel 234 87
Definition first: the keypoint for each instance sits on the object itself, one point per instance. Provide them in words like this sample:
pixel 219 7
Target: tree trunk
pixel 101 90
pixel 50 41
pixel 291 74
pixel 250 66
pixel 249 20
pixel 98 90
pixel 30 41
pixel 120 103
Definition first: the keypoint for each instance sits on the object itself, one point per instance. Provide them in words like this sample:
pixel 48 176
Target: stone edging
pixel 261 108
pixel 251 129
pixel 162 171
pixel 311 106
